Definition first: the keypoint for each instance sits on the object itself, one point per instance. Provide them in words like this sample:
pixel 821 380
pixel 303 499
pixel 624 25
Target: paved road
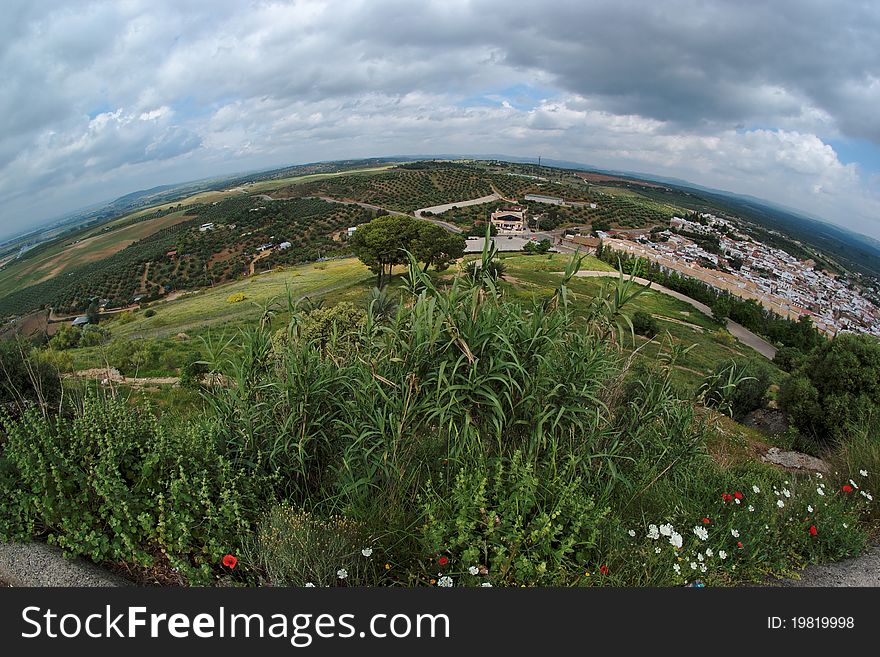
pixel 738 331
pixel 439 209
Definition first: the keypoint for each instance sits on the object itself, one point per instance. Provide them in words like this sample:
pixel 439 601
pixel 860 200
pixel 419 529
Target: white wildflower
pixel 473 570
pixel 701 533
pixel 845 526
pixel 709 552
pixel 809 508
pixel 820 491
pixel 786 492
pixel 756 489
pixel 666 529
pixel 342 573
pixel 722 555
pixel 693 565
pixel 653 532
pixel 818 475
pixel 657 549
pixel 751 508
pixel 676 568
pixel 864 473
pixel 309 585
pixel 675 540
pixel 700 557
pixel 703 568
pixel 445 582
pixel 367 552
pixel 780 503
pixel 854 484
pixel 486 585
pixel 736 500
pixel 632 532
pixel 866 495
pixel 734 533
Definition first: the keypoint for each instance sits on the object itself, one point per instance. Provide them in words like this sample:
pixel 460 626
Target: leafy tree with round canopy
pixel 383 242
pixel 437 246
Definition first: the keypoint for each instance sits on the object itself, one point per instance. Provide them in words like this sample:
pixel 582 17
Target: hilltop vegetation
pixel 493 432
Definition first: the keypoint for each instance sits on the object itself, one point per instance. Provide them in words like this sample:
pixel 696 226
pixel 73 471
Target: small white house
pixel 284 245
pixel 351 230
pixel 204 228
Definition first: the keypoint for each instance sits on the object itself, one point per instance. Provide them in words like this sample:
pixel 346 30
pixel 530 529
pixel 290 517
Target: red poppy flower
pixel 726 497
pixel 847 488
pixel 738 495
pixel 739 544
pixel 442 561
pixel 229 561
pixel 706 521
pixel 603 569
pixel 813 530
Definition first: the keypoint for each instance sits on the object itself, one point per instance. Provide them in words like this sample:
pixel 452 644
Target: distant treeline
pixel 800 335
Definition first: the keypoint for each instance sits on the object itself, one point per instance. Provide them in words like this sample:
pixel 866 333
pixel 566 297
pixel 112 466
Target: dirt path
pixel 502 196
pixel 738 331
pixel 145 277
pixel 263 254
pixel 113 375
pixel 440 209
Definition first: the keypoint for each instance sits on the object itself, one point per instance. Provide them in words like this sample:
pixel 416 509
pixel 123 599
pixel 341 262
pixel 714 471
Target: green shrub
pixel 294 547
pixel 26 376
pixel 645 324
pixel 520 526
pixel 93 336
pixel 113 484
pixel 737 387
pixel 836 386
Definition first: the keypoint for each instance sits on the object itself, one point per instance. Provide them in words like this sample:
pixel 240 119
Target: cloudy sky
pixel 780 100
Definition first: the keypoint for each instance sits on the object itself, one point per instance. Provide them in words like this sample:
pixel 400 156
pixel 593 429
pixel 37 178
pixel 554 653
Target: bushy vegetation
pixel 182 257
pixel 835 388
pixel 27 377
pixel 644 324
pixel 457 436
pixel 113 484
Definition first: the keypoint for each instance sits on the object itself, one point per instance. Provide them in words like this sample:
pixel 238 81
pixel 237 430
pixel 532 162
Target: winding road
pixel 738 331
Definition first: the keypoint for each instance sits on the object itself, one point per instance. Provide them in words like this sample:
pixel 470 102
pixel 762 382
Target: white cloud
pixel 101 98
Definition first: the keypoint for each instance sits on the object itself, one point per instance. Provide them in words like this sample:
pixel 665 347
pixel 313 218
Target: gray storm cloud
pixel 102 98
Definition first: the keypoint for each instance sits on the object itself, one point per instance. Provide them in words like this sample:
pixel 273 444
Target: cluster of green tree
pixel 531 247
pixel 198 258
pixel 71 337
pixel 244 225
pixel 800 335
pixel 116 278
pixel 709 243
pixel 626 211
pixel 26 377
pixel 408 189
pixel 384 242
pixel 834 388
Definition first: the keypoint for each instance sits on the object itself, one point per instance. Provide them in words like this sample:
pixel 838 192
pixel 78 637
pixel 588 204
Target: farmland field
pixel 211 308
pixel 66 256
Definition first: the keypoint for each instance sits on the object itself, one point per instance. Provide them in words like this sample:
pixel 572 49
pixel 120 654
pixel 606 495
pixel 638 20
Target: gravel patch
pixel 38 564
pixel 859 571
